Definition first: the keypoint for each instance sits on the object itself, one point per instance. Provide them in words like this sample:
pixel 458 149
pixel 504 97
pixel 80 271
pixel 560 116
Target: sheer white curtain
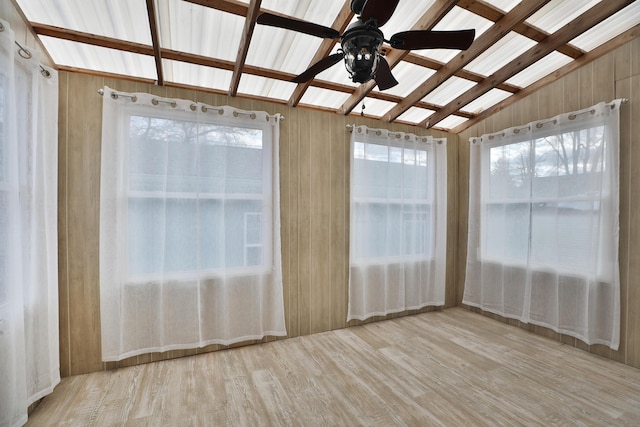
pixel 398 222
pixel 189 225
pixel 29 343
pixel 543 224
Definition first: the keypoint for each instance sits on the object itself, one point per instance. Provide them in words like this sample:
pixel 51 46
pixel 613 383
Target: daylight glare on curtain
pixel 189 225
pixel 29 343
pixel 543 224
pixel 398 222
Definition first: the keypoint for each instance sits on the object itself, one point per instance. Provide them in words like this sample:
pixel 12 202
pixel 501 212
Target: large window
pixel 543 224
pixel 198 194
pixel 398 222
pixel 189 252
pixel 541 206
pixel 392 201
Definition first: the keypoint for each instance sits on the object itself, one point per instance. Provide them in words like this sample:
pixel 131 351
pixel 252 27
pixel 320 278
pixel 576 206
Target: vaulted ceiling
pixel 216 45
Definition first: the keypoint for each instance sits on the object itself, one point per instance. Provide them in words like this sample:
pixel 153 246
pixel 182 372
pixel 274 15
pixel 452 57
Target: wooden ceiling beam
pixel 340 24
pixel 568 32
pixel 494 14
pixel 245 41
pixel 502 27
pixel 192 58
pixel 429 20
pixel 155 39
pixel 230 6
pixel 92 39
pixel 591 56
pixel 463 74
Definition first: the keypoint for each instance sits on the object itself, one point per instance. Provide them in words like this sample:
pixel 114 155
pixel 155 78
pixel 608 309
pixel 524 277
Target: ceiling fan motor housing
pixel 357 5
pixel 361 45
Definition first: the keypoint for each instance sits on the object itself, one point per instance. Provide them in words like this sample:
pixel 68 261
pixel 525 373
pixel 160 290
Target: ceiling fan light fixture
pixel 361 49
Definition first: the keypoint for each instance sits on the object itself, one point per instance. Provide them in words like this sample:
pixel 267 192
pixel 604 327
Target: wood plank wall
pixel 314 174
pixel 314 165
pixel 615 75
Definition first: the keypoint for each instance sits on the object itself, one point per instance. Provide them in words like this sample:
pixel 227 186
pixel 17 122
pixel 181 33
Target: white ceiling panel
pixel 540 69
pixel 287 50
pixel 448 91
pixel 125 20
pixel 456 19
pixel 485 101
pixel 500 54
pixel 319 12
pixel 409 77
pixel 609 28
pixel 281 49
pixel 264 87
pixel 504 5
pixel 557 13
pixel 196 75
pixel 324 97
pixel 80 55
pixel 415 115
pixel 200 30
pixel 375 107
pixel 451 122
pixel 406 15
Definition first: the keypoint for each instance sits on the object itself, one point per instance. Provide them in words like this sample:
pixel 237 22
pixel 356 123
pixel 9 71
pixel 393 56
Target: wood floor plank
pixel 443 368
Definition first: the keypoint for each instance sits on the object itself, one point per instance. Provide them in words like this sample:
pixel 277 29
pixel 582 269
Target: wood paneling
pixel 314 203
pixel 615 75
pixel 314 173
pixel 631 289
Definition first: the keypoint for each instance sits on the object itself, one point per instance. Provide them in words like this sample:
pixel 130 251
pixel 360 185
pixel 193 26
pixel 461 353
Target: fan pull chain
pixel 362 110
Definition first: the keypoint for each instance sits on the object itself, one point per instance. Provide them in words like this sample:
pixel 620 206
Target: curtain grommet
pixel 23 52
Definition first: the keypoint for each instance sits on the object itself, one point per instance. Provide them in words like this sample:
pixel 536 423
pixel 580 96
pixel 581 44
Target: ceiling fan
pixel 362 40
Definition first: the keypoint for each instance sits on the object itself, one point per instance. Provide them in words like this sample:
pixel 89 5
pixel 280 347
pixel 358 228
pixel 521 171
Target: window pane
pixel 196 196
pixel 180 156
pixel 393 191
pixel 416 229
pixel 549 194
pixel 563 233
pixel 187 235
pixel 567 164
pixel 506 231
pixel 509 171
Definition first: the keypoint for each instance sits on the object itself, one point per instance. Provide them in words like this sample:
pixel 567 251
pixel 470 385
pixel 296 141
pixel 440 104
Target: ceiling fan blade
pixel 318 67
pixel 408 40
pixel 380 10
pixel 297 25
pixel 383 77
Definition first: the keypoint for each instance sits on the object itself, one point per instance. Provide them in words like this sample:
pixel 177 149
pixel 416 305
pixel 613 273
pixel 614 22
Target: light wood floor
pixel 451 368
